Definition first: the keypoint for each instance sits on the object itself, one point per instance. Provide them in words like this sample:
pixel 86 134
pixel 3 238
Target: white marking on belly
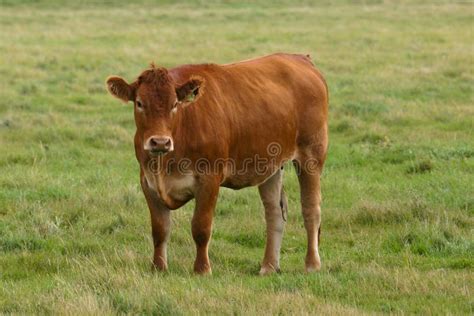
pixel 177 187
pixel 180 187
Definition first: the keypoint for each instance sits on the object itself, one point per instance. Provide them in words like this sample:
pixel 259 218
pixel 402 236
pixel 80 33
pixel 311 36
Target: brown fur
pixel 235 111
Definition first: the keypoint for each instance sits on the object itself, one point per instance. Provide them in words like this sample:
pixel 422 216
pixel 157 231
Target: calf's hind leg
pixel 274 202
pixel 309 172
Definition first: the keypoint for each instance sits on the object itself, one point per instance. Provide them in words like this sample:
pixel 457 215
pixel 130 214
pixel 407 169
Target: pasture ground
pixel 397 188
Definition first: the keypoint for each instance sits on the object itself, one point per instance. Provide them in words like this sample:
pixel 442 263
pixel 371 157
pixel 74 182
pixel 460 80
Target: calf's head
pixel 157 98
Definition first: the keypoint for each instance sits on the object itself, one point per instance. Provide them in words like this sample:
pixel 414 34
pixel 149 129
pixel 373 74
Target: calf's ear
pixel 191 90
pixel 119 88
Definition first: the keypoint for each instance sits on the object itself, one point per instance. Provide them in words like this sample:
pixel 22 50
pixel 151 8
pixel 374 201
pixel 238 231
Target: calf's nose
pixel 157 144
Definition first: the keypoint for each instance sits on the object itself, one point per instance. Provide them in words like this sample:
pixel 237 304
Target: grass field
pixel 398 188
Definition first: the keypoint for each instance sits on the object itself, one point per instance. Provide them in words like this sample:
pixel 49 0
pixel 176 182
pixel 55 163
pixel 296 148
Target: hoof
pixel 159 267
pixel 203 270
pixel 313 265
pixel 159 263
pixel 312 269
pixel 268 269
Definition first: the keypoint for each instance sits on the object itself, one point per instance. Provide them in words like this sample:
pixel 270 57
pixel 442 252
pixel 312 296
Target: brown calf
pixel 200 127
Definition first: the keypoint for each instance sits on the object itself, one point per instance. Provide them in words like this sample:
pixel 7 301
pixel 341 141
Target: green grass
pixel 398 187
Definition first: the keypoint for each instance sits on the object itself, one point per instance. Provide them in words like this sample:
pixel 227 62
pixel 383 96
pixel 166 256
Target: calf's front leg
pixel 206 198
pixel 160 227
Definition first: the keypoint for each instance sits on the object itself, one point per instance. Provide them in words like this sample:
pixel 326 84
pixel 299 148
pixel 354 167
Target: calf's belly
pixel 255 169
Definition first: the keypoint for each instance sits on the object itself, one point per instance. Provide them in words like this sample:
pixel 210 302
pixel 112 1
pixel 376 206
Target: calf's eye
pixel 139 105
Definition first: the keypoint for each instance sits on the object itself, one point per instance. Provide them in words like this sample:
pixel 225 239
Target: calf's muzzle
pixel 158 144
